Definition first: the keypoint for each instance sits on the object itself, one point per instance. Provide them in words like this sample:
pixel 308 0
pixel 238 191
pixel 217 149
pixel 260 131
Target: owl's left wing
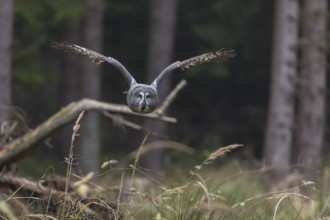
pixel 95 57
pixel 215 56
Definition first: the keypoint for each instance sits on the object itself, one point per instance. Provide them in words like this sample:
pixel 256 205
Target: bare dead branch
pixel 17 148
pixel 130 124
pixel 169 99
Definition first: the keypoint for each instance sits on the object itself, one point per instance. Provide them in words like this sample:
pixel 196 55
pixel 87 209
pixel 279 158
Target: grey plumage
pixel 143 98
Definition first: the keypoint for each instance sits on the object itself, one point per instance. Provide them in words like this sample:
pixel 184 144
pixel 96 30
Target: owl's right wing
pixel 95 57
pixel 215 56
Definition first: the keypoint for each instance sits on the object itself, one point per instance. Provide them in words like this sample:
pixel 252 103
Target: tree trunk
pixel 311 110
pixel 6 35
pixel 90 132
pixel 161 44
pixel 279 131
pixel 72 68
pixel 69 85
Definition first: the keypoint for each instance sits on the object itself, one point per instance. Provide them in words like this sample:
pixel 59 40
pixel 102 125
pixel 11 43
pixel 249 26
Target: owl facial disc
pixel 142 99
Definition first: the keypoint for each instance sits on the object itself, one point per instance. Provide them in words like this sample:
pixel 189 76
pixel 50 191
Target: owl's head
pixel 142 98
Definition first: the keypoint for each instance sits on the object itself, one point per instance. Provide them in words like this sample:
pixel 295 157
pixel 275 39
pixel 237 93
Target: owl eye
pixel 140 95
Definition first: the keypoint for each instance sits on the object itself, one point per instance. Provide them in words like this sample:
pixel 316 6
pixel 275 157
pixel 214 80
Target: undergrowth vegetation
pixel 233 189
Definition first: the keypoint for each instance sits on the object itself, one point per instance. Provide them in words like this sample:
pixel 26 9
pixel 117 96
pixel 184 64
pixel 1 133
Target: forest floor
pixel 220 187
pixel 192 185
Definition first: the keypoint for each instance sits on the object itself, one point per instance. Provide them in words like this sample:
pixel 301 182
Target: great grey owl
pixel 143 98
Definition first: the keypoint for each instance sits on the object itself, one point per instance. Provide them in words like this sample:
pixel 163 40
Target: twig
pixel 90 104
pixel 21 183
pixel 132 125
pixel 83 180
pixel 169 99
pixel 140 150
pixel 161 145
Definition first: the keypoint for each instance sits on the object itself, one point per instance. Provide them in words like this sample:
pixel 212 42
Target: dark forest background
pixel 222 104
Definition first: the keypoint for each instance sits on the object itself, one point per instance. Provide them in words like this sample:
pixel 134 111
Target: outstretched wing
pixel 95 57
pixel 216 56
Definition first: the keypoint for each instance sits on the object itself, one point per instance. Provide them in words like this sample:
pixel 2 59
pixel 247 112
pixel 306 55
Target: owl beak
pixel 143 104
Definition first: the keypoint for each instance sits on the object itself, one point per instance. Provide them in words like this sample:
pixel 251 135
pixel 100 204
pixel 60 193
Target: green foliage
pixel 41 15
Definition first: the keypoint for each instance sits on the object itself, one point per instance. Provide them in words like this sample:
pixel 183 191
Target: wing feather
pixel 215 56
pixel 95 57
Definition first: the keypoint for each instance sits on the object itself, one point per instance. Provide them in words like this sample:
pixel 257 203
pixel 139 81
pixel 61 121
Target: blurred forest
pixel 223 103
